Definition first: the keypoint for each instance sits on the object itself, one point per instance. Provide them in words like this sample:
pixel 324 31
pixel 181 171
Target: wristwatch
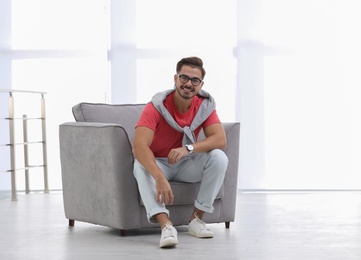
pixel 190 148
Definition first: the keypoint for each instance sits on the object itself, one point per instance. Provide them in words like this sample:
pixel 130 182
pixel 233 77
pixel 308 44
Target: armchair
pixel 97 171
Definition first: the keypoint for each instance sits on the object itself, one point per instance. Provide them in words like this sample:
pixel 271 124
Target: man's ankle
pixel 197 213
pixel 163 220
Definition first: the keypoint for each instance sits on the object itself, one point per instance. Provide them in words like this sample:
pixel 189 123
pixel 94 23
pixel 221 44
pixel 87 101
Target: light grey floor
pixel 323 225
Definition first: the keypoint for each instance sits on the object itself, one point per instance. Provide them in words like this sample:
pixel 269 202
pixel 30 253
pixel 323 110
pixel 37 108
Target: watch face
pixel 190 147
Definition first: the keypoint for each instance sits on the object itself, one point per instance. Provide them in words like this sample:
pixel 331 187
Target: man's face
pixel 188 81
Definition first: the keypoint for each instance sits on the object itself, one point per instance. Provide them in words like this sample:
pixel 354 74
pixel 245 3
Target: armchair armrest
pixel 97 174
pixel 232 151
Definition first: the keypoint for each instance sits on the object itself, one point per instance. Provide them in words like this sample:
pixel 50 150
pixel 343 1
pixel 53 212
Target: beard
pixel 186 93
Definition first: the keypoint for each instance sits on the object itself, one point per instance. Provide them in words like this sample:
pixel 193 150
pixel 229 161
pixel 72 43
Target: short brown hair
pixel 194 62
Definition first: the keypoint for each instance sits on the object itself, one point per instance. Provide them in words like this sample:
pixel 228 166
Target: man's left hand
pixel 176 154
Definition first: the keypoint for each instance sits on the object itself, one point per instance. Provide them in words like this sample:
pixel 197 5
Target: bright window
pixel 312 92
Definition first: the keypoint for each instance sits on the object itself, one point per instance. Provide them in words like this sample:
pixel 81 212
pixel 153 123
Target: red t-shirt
pixel 165 136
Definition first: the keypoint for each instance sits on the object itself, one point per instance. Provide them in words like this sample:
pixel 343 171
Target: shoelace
pixel 167 230
pixel 203 224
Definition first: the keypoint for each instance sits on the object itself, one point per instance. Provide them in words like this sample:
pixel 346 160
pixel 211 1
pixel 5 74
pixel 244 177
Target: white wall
pixel 250 100
pixel 5 83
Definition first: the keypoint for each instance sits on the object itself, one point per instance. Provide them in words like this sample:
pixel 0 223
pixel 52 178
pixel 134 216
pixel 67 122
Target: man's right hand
pixel 164 191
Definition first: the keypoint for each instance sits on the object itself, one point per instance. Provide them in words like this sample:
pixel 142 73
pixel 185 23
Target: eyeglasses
pixel 185 79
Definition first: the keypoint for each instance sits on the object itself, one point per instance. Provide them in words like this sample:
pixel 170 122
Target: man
pixel 166 148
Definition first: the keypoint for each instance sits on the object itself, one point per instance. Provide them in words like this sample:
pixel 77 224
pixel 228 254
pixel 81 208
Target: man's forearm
pixel 146 158
pixel 210 143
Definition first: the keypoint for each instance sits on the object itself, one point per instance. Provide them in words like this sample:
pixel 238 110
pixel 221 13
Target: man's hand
pixel 176 154
pixel 164 191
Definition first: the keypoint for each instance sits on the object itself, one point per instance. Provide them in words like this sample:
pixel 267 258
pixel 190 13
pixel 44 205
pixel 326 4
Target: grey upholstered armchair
pixel 97 171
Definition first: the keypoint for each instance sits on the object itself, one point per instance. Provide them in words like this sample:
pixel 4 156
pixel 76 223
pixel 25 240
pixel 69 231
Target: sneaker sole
pixel 200 235
pixel 168 243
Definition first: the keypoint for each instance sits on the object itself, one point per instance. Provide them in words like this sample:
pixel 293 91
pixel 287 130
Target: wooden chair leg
pixel 123 232
pixel 71 222
pixel 227 224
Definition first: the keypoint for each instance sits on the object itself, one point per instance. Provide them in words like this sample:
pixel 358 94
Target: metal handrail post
pixel 45 158
pixel 26 154
pixel 14 196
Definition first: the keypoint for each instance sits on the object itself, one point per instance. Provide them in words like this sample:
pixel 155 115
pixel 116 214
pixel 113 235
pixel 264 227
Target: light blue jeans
pixel 209 168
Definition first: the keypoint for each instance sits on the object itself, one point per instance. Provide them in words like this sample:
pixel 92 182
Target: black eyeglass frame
pixel 189 79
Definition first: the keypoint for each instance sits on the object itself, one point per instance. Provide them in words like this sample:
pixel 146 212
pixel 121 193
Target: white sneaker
pixel 169 236
pixel 198 228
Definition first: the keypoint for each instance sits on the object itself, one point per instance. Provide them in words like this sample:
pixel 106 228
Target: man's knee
pixel 219 158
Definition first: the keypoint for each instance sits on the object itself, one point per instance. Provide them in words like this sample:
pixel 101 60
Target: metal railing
pixel 12 144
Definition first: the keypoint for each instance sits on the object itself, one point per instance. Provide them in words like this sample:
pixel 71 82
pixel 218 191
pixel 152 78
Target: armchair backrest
pixel 124 115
